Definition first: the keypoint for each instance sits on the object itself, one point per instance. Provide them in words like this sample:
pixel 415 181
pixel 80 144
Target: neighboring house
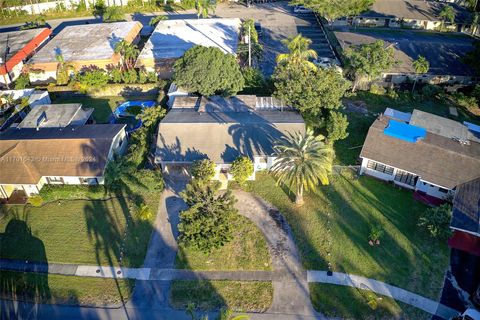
pixel 31 158
pixel 466 218
pixel 409 14
pixel 171 38
pixel 444 57
pixel 421 151
pixel 57 116
pixel 16 48
pixel 82 46
pixel 222 129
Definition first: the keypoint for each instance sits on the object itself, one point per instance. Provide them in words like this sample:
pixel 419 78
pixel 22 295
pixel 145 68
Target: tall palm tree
pixel 302 162
pixel 204 6
pixel 128 53
pixel 421 66
pixel 63 69
pixel 299 52
pixel 447 14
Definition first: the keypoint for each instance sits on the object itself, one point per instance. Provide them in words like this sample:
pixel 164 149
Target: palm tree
pixel 447 14
pixel 299 52
pixel 302 162
pixel 155 20
pixel 113 14
pixel 63 69
pixel 204 6
pixel 128 53
pixel 421 66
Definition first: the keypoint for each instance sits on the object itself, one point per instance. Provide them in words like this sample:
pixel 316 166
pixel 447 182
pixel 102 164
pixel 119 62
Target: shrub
pixel 337 125
pixel 116 75
pixel 35 201
pixel 436 221
pixel 22 81
pixel 130 76
pixel 93 79
pixel 376 232
pixel 242 169
pixel 142 77
pixel 151 180
pixel 469 103
pixel 392 94
pixel 431 91
pixel 152 77
pixel 113 14
pixel 203 169
pixel 376 89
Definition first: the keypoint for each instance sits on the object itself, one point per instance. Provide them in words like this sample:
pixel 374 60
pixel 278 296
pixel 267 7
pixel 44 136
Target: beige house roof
pixel 437 159
pixel 27 154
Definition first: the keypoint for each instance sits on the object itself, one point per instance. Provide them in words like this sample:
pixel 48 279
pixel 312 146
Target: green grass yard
pixel 103 106
pixel 247 251
pixel 334 225
pixel 59 289
pixel 235 295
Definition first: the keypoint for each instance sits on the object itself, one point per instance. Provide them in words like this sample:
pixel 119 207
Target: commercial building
pixel 423 152
pixel 16 48
pixel 171 38
pixel 82 46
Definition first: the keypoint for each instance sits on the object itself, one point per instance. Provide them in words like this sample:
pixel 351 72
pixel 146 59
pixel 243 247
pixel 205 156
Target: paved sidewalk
pixel 382 288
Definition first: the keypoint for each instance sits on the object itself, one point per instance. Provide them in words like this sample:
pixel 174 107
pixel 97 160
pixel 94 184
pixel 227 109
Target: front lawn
pixel 334 225
pixel 77 231
pixel 42 288
pixel 236 295
pixel 247 251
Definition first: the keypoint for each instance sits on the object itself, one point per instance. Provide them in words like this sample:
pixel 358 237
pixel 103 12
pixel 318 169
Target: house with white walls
pixel 421 151
pixel 222 129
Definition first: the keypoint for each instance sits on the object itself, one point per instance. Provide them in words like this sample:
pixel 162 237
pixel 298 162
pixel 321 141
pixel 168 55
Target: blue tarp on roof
pixel 404 131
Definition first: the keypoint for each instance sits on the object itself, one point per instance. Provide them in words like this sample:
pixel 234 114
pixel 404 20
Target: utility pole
pixel 6 76
pixel 249 47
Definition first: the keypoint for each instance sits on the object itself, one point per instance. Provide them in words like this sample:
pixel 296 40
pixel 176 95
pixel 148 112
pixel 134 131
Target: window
pixel 89 181
pixel 443 190
pixel 405 177
pixel 55 180
pixel 379 167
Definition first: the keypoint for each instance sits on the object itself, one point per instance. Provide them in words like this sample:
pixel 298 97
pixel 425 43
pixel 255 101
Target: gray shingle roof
pixel 466 207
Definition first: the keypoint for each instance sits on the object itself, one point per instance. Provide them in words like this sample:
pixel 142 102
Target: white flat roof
pixel 172 38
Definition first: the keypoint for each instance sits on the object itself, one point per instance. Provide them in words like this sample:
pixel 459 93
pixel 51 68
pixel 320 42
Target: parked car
pixel 324 62
pixel 469 314
pixel 301 9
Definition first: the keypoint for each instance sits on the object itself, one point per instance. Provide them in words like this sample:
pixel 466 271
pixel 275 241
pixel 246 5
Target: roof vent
pixel 463 142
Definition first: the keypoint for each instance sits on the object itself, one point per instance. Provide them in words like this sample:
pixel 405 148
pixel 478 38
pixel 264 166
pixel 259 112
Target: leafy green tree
pixel 207 70
pixel 22 82
pixel 299 52
pixel 447 14
pixel 63 70
pixel 130 76
pixel 369 60
pixel 99 8
pixel 303 161
pixel 313 93
pixel 421 66
pixel 437 221
pixel 207 224
pixel 151 116
pixel 204 7
pixel 337 124
pixel 203 169
pixel 128 52
pixel 152 77
pixel 334 9
pixel 138 146
pixel 242 169
pixel 255 82
pixel 113 14
pixel 96 78
pixel 155 20
pixel 248 27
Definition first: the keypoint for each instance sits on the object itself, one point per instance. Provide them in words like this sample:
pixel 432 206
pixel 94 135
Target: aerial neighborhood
pixel 247 159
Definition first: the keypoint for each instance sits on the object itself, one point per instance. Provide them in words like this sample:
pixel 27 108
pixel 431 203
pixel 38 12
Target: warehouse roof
pixel 172 38
pixel 87 42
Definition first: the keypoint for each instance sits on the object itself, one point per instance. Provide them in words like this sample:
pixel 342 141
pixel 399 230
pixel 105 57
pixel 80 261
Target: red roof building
pixel 16 47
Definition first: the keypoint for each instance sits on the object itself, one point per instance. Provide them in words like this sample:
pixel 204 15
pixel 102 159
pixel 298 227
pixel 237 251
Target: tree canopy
pixel 207 223
pixel 242 169
pixel 447 14
pixel 334 9
pixel 208 71
pixel 312 92
pixel 369 60
pixel 203 169
pixel 299 52
pixel 337 125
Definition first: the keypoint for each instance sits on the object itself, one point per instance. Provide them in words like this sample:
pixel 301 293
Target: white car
pixel 301 9
pixel 324 62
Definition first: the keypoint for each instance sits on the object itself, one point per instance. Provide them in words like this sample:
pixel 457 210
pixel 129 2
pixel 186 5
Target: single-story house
pixel 409 14
pixel 421 151
pixel 82 46
pixel 171 38
pixel 17 47
pixel 222 129
pixel 31 157
pixel 56 116
pixel 466 218
pixel 444 57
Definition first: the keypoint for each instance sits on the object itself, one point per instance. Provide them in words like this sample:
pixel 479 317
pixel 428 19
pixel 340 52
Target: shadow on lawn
pixel 18 242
